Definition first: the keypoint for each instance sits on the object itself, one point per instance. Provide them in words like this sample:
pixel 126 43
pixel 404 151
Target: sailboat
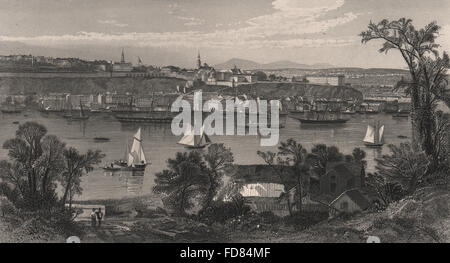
pixel 82 116
pixel 374 135
pixel 193 141
pixel 69 114
pixel 136 160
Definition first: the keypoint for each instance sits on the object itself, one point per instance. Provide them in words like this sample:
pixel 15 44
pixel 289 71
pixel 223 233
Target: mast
pixel 127 149
pixel 377 134
pixel 81 110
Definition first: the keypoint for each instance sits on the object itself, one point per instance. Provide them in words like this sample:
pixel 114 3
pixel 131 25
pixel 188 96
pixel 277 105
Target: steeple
pixel 123 57
pixel 199 61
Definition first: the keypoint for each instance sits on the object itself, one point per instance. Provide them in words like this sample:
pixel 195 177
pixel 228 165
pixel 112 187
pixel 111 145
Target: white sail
pixel 130 159
pixel 370 134
pixel 189 137
pixel 381 133
pixel 137 155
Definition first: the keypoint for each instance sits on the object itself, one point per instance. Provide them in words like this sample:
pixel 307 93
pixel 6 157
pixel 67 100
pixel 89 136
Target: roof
pixel 356 196
pixel 262 190
pixel 261 173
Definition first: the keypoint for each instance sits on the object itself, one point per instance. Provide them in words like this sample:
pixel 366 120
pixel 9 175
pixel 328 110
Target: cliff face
pixel 88 85
pixel 280 90
pixel 139 86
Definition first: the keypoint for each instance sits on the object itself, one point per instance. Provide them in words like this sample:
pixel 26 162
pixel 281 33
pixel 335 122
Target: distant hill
pixel 240 63
pixel 282 64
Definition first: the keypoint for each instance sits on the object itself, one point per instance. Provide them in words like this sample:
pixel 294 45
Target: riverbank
pixel 423 217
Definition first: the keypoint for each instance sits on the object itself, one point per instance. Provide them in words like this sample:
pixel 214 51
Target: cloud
pixel 112 22
pixel 191 21
pixel 291 24
pixel 190 39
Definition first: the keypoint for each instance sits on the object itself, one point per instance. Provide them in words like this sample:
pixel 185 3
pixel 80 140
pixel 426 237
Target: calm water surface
pixel 160 144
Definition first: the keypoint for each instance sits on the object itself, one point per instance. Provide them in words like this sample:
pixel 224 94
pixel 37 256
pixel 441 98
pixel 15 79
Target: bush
pixel 268 217
pixel 7 208
pixel 305 219
pixel 12 195
pixel 221 211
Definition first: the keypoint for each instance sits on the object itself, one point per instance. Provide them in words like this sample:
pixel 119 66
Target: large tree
pixel 183 181
pixel 428 82
pixel 291 158
pixel 321 155
pixel 218 158
pixel 76 165
pixel 403 165
pixel 36 161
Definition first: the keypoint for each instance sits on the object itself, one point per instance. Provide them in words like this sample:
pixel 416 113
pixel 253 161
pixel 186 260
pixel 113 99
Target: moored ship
pixel 11 109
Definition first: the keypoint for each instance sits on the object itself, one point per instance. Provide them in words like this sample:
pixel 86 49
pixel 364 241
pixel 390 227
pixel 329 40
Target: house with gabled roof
pixel 341 176
pixel 350 201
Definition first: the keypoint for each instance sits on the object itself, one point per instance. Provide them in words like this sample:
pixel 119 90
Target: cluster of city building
pixel 30 63
pixel 65 101
pixel 202 73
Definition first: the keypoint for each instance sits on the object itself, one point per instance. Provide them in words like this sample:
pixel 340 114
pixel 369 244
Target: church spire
pixel 199 61
pixel 123 57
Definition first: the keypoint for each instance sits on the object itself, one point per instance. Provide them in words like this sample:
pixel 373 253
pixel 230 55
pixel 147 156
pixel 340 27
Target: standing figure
pixel 93 218
pixel 99 217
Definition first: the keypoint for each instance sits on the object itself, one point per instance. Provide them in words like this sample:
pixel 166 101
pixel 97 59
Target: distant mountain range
pixel 282 64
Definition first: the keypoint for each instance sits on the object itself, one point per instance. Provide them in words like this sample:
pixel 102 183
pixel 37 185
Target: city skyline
pixel 171 32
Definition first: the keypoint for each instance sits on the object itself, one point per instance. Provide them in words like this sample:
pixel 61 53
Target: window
pixel 344 206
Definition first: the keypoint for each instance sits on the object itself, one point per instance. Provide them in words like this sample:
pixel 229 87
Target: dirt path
pixel 118 230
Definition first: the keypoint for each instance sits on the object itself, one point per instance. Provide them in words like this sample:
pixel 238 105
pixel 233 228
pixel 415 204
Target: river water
pixel 160 144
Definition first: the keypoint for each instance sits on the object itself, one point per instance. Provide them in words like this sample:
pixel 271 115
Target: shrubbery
pixel 221 211
pixel 305 219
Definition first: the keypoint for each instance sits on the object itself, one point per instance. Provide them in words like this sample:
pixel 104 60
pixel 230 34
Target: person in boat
pixel 93 218
pixel 99 217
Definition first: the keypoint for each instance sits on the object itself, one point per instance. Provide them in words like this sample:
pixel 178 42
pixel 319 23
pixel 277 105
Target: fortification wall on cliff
pixel 87 85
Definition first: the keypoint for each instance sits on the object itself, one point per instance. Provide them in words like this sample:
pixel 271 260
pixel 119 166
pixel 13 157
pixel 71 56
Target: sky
pixel 171 32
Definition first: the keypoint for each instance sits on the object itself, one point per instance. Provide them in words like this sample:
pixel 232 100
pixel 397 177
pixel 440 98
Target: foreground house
pixel 265 197
pixel 264 190
pixel 340 177
pixel 350 201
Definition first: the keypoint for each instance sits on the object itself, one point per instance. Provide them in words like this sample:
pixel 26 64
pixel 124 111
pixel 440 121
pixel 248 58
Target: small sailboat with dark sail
pixel 82 116
pixel 374 136
pixel 193 141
